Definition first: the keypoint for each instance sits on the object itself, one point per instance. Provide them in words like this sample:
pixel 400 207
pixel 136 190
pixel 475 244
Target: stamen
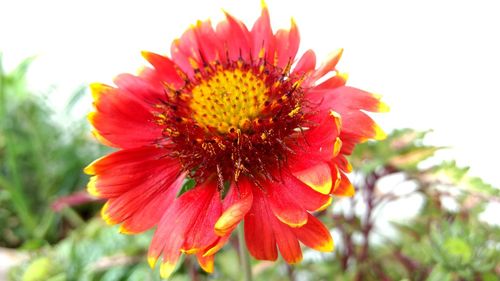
pixel 233 119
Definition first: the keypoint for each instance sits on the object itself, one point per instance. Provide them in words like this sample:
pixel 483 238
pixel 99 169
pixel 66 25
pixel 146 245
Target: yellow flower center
pixel 229 99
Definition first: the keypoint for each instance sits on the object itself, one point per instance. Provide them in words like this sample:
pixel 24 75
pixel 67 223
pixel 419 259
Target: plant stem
pixel 244 257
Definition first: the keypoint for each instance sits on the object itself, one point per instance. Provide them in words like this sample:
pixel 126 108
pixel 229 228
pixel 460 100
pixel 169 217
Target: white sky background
pixel 435 62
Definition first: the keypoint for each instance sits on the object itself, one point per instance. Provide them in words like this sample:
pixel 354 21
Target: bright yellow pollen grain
pixel 228 99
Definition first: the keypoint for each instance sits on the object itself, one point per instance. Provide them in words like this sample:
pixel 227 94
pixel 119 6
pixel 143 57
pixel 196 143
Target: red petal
pixel 124 170
pixel 343 98
pixel 144 91
pixel 237 203
pixel 206 263
pixel 176 225
pixel 306 63
pixel 336 175
pixel 342 163
pixel 315 235
pixel 345 187
pixel 211 250
pixel 259 235
pixel 333 82
pixel 201 234
pixel 209 44
pixel 329 65
pixel 318 177
pixel 305 196
pixel 150 214
pixel 137 182
pixel 116 110
pixel 181 53
pixel 360 126
pixel 287 45
pixel 287 242
pixel 284 205
pixel 166 69
pixel 317 144
pixel 263 41
pixel 236 38
pixel 348 101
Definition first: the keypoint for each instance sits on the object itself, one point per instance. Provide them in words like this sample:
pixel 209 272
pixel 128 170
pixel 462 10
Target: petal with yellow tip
pixel 315 235
pixel 166 269
pixel 206 262
pixel 91 187
pixel 237 203
pixel 345 187
pixel 318 178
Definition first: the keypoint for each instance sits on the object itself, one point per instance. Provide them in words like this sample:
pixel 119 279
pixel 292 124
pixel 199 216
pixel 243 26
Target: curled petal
pixel 342 163
pixel 308 198
pixel 329 65
pixel 318 177
pixel 236 204
pixel 345 187
pixel 206 262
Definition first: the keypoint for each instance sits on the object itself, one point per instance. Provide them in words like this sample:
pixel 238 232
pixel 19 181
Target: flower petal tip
pixel 206 263
pixel 152 261
pixel 105 216
pixel 348 167
pixel 124 230
pixel 91 187
pixel 97 89
pixel 334 57
pixel 318 178
pixel 379 133
pixel 383 107
pixel 221 227
pixel 295 260
pixel 337 145
pixel 146 55
pixel 326 205
pixel 166 269
pixel 263 5
pixel 345 191
pixel 337 118
pixel 89 170
pixel 91 117
pixel 328 246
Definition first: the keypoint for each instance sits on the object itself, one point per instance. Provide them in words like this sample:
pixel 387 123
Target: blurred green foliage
pixel 41 161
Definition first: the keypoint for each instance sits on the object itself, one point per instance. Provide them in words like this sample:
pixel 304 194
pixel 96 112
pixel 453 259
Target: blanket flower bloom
pixel 234 110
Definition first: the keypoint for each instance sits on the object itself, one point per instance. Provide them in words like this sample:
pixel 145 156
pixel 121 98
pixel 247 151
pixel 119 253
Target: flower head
pixel 234 110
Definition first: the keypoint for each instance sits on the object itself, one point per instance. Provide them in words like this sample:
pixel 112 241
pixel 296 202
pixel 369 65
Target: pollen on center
pixel 228 99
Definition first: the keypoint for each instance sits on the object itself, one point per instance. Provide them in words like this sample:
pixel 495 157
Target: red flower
pixel 235 111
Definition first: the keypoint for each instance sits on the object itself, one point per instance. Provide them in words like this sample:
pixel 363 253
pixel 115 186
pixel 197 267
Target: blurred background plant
pixel 413 217
pixel 40 160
